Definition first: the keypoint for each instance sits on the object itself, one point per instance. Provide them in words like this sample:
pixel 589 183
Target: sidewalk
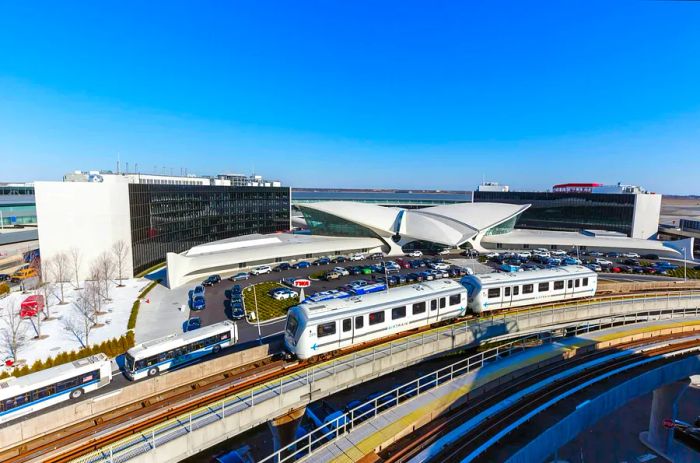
pixel 161 315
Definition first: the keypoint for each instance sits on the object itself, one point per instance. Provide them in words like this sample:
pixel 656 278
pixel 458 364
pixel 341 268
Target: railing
pixel 330 431
pixel 150 439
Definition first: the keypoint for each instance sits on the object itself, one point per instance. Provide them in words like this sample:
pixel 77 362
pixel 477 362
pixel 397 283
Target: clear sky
pixel 356 93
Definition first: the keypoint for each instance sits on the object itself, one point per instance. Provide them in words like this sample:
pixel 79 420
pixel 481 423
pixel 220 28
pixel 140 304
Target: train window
pixel 559 284
pixel 325 329
pixel 527 289
pixel 376 317
pixel 359 322
pixel 347 324
pixel 585 282
pixel 443 302
pixel 516 290
pixel 578 283
pixel 543 287
pixel 433 304
pixel 494 292
pixel 418 307
pixel 455 299
pixel 398 312
pixel 506 292
pixel 570 284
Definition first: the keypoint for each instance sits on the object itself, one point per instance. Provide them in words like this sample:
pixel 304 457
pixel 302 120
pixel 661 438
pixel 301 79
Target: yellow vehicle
pixel 23 274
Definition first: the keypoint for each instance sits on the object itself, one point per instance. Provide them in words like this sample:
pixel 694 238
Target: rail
pixel 332 430
pixel 148 440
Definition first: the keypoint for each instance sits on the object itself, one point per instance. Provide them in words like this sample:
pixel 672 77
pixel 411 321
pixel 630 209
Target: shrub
pixel 134 313
pixel 4 289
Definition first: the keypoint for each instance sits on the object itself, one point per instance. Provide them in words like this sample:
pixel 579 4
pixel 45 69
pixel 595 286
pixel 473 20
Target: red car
pixel 31 306
pixel 403 263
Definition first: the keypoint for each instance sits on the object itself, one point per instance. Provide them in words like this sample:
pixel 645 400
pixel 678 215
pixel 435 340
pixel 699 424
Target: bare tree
pixel 58 270
pixel 75 261
pixel 102 271
pixel 120 250
pixel 83 319
pixel 13 331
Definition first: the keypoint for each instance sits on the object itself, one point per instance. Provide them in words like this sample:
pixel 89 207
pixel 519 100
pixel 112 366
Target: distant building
pixel 492 186
pixel 409 199
pixel 158 179
pixel 17 205
pixel 575 187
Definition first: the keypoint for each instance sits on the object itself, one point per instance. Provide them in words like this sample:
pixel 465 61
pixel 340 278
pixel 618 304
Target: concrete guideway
pixel 388 427
pixel 209 425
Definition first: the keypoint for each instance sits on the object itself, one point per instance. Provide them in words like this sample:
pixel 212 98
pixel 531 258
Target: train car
pixel 36 391
pixel 153 357
pixel 494 291
pixel 317 328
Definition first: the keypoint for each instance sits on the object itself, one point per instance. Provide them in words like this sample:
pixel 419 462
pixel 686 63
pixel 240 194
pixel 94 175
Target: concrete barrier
pixel 606 288
pixel 72 414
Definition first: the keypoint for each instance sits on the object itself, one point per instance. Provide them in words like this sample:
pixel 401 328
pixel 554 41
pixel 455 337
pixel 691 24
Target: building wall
pixel 88 216
pixel 570 211
pixel 174 218
pixel 647 211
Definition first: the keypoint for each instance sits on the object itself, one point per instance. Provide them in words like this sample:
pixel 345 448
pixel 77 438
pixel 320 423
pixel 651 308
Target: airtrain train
pixel 315 328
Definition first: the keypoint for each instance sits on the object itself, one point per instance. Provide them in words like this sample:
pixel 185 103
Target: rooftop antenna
pixel 127 167
pixel 118 160
pixel 136 167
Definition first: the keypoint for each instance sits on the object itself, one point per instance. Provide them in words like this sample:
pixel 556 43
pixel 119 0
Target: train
pixel 316 328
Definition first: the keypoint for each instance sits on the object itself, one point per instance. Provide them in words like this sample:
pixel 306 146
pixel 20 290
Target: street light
pixel 257 317
pixel 685 265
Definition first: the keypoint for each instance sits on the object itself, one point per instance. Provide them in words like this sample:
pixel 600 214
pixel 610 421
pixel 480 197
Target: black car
pixel 338 260
pixel 411 277
pixel 211 280
pixel 236 290
pixel 613 255
pixel 237 313
pixel 321 261
pixel 624 268
pixel 5 277
pixel 282 267
pixel 650 256
pixel 633 262
pixel 376 255
pixel 355 270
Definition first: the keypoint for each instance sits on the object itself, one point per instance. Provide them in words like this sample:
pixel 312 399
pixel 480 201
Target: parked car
pixel 239 276
pixel 415 253
pixel 342 271
pixel 331 275
pixel 492 255
pixel 23 274
pixel 282 294
pixel 630 262
pixel 603 262
pixel 595 267
pixel 650 256
pixel 571 261
pixel 412 277
pixel 321 261
pixel 236 290
pixel 439 266
pixel 371 269
pixel 613 255
pixel 282 267
pixel 444 251
pixel 211 280
pixel 263 269
pixel 237 312
pixel 376 255
pixel 558 253
pixel 5 277
pixel 198 303
pixel 417 263
pixel 357 257
pixel 631 255
pixel 192 324
pixel 403 263
pixel 355 270
pixel 197 291
pixel 338 259
pixel 595 254
pixel 301 264
pixel 427 276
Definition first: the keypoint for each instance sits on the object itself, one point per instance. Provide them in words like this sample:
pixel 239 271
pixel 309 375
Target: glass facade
pixel 174 218
pixel 321 223
pixel 505 227
pixel 568 211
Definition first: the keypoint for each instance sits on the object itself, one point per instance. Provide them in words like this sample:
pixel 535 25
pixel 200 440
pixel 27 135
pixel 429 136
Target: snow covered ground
pixel 59 338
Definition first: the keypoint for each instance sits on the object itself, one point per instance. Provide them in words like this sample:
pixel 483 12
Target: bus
pixel 36 391
pixel 153 357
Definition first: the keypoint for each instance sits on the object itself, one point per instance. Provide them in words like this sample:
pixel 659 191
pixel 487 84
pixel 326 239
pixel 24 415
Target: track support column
pixel 284 428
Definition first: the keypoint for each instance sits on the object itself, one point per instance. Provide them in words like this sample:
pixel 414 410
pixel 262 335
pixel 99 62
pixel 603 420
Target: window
pixel 578 283
pixel 526 246
pixel 455 299
pixel 433 304
pixel 528 289
pixel 376 317
pixel 506 292
pixel 585 282
pixel 559 284
pixel 418 307
pixel 516 290
pixel 347 325
pixel 570 284
pixel 543 287
pixel 443 302
pixel 398 312
pixel 326 329
pixel 494 292
pixel 359 322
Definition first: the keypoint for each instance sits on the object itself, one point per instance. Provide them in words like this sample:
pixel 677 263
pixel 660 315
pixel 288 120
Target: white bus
pixel 36 391
pixel 315 328
pixel 153 357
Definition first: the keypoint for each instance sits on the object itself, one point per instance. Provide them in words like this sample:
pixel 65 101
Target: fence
pixel 605 308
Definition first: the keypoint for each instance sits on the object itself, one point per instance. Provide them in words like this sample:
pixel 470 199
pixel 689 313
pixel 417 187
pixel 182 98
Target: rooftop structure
pixel 408 199
pixel 162 179
pixel 492 186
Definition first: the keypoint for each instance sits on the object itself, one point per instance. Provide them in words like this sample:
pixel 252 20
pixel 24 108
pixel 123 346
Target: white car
pixel 261 270
pixel 559 253
pixel 603 262
pixel 631 255
pixel 595 267
pixel 541 253
pixel 415 254
pixel 357 257
pixel 492 255
pixel 342 270
pixel 284 294
pixel 439 266
pixel 595 254
pixel 523 254
pixel 444 251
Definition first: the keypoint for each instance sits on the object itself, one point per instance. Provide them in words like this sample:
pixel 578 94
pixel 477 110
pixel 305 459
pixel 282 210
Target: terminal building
pixel 152 219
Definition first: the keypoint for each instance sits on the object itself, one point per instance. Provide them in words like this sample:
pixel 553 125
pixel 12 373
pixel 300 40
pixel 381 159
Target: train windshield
pixel 292 324
pixel 129 362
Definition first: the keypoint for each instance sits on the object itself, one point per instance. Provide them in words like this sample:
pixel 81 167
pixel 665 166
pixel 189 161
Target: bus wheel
pixel 152 371
pixel 76 393
pixel 216 349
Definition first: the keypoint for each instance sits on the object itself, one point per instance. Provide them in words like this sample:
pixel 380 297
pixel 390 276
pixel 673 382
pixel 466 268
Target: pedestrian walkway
pixel 162 312
pixel 413 413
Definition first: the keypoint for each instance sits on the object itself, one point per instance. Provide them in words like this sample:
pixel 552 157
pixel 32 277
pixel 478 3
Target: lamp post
pixel 257 317
pixel 685 265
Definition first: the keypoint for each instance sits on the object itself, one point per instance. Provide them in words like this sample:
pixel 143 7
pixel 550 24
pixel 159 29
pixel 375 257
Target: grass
pixel 678 273
pixel 268 308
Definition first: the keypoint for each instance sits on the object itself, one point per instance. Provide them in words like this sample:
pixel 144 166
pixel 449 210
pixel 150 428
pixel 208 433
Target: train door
pixel 346 332
pixel 569 291
pixel 434 311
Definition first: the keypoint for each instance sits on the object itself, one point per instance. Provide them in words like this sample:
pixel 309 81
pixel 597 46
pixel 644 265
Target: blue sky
pixel 356 94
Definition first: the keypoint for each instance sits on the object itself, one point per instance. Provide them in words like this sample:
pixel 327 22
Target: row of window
pixel 183 350
pixel 47 391
pixel 375 318
pixel 541 288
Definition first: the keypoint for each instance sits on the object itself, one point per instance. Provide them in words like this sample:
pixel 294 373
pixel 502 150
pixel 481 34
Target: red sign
pixel 301 283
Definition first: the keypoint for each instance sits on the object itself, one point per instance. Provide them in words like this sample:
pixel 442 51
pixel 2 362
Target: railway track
pixel 82 437
pixel 411 445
